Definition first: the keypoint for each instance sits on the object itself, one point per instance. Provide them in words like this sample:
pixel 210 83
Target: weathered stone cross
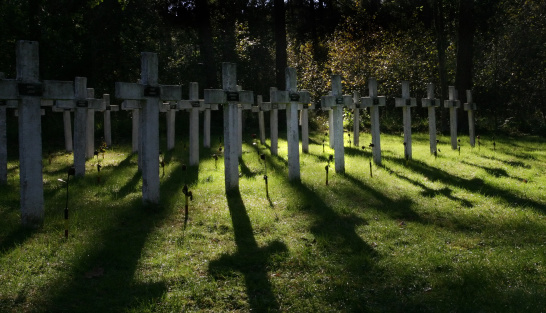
pixel 169 108
pixel 82 106
pixel 231 98
pixel 470 107
pixel 336 101
pixel 107 108
pixel 374 102
pixel 453 104
pixel 149 92
pixel 406 103
pixel 431 103
pixel 274 119
pixel 29 91
pixel 261 120
pixel 356 118
pixel 294 100
pixel 67 124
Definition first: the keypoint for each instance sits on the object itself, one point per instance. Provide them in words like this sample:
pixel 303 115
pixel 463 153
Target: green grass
pixel 460 233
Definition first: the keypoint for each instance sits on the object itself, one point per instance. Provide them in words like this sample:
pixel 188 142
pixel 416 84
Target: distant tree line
pixel 495 47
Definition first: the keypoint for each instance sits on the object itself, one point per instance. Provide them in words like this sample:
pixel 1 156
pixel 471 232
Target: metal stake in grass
pixel 188 195
pixel 215 161
pixel 406 155
pixel 98 172
pixel 71 172
pixel 262 157
pixel 330 159
pixel 162 162
pixel 371 173
pixel 459 145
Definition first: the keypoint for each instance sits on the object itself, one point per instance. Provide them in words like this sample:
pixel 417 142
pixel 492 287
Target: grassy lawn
pixel 457 233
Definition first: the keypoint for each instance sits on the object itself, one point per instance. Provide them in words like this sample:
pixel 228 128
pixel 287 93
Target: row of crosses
pixel 147 98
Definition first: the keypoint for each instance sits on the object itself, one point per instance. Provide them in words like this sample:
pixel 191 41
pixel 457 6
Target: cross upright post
pixel 149 92
pixel 194 105
pixel 261 119
pixel 304 113
pixel 453 104
pixel 107 108
pixel 28 91
pixel 356 118
pixel 90 132
pixel 134 106
pixel 406 103
pixel 470 107
pixel 336 101
pixel 230 98
pixel 276 105
pixel 374 102
pixel 431 103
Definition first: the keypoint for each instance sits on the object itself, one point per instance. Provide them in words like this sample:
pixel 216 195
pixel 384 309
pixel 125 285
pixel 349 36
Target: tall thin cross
pixel 336 101
pixel 453 104
pixel 149 92
pixel 406 103
pixel 29 91
pixel 261 118
pixel 356 118
pixel 231 98
pixel 470 107
pixel 107 108
pixel 276 105
pixel 431 103
pixel 374 102
pixel 194 105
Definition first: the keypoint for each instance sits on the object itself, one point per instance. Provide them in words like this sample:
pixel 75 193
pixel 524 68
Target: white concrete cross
pixel 106 109
pixel 431 103
pixel 406 103
pixel 29 92
pixel 374 102
pixel 194 105
pixel 453 104
pixel 276 105
pixel 336 101
pixel 294 100
pixel 149 92
pixel 240 108
pixel 470 107
pixel 207 108
pixel 82 106
pixel 304 122
pixel 231 98
pixel 356 118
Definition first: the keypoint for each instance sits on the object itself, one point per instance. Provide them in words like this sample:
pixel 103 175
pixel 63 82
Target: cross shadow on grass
pixel 474 185
pixel 102 278
pixel 250 259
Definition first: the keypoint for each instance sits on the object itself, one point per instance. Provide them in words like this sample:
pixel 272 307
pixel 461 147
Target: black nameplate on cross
pixel 339 100
pixel 294 97
pixel 232 95
pixel 408 102
pixel 195 104
pixel 152 91
pixel 81 103
pixel 30 89
pixel 375 101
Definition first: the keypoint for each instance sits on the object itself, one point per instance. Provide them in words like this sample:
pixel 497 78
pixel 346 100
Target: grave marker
pixel 470 107
pixel 406 103
pixel 29 91
pixel 431 104
pixel 374 102
pixel 134 106
pixel 230 97
pixel 90 132
pixel 453 104
pixel 304 113
pixel 149 92
pixel 169 108
pixel 294 100
pixel 336 101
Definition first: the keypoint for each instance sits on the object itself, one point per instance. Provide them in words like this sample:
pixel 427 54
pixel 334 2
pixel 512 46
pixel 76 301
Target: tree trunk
pixel 465 47
pixel 280 43
pixel 441 46
pixel 206 47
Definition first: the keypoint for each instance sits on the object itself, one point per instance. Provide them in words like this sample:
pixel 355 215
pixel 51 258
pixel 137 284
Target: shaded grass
pixel 455 233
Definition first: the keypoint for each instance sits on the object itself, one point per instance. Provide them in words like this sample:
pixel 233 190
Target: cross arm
pixel 373 101
pixel 405 102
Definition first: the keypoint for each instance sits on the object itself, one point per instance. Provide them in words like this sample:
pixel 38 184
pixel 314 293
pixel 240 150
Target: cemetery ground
pixel 456 233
